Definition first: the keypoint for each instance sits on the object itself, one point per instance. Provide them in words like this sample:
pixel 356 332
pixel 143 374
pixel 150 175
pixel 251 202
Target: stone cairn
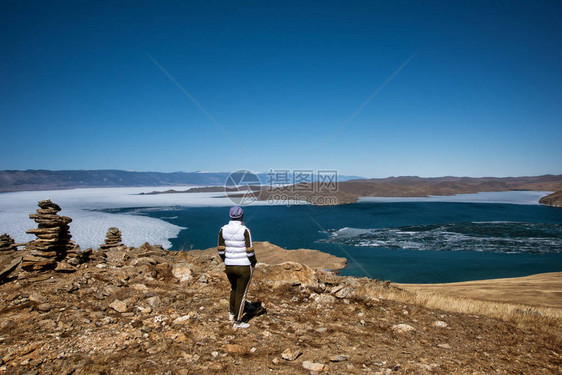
pixel 112 240
pixel 7 244
pixel 53 238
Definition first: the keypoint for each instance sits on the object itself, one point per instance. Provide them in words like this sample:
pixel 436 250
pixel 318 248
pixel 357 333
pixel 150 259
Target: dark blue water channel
pixel 412 242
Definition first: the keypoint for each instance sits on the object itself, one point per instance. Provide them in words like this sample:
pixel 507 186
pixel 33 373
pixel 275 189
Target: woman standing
pixel 237 252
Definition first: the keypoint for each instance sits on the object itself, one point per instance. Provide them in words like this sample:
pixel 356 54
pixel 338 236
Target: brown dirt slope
pixel 129 313
pixel 272 254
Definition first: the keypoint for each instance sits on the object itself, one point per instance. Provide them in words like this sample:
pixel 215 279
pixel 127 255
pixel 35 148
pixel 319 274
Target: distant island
pixel 205 189
pixel 411 186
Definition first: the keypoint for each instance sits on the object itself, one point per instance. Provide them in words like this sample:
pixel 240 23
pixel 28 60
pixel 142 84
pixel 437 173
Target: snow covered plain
pixel 89 226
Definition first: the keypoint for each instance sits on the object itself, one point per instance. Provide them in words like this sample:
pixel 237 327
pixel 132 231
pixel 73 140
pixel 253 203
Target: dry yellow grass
pixel 543 289
pixel 512 302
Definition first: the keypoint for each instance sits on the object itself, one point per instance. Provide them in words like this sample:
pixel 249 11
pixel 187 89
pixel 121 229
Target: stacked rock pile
pixel 75 256
pixel 7 244
pixel 53 238
pixel 112 240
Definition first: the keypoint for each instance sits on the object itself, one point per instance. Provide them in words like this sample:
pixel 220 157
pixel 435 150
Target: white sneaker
pixel 231 317
pixel 241 325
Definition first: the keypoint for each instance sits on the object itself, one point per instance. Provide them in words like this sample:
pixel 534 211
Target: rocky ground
pixel 150 311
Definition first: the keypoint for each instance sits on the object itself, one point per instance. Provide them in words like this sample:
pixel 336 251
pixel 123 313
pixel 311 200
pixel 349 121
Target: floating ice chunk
pixel 509 197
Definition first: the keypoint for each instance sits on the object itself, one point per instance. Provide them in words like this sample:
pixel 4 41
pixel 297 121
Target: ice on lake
pixel 504 197
pixel 89 225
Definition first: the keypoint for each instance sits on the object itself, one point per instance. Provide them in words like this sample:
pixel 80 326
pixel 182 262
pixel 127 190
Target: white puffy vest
pixel 235 244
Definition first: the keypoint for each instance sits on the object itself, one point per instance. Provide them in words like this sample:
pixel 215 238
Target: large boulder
pixel 288 273
pixel 182 271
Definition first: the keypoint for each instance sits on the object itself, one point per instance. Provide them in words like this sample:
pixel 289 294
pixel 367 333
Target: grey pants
pixel 239 278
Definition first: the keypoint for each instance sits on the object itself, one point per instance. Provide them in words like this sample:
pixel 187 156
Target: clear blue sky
pixel 481 95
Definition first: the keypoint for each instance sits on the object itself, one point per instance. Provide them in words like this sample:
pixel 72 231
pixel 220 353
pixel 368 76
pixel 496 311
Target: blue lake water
pixel 412 242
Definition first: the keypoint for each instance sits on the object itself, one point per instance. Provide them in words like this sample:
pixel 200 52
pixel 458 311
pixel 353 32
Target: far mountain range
pixel 39 179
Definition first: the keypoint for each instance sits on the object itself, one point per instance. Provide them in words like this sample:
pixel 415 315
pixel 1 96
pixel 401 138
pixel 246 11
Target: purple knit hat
pixel 236 212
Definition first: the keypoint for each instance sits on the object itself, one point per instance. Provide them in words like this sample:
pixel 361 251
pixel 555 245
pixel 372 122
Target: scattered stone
pixel 203 279
pixel 313 366
pixel 182 271
pixel 428 367
pixel 384 372
pixel 140 287
pixel 44 307
pixel 110 289
pixel 6 271
pixel 145 309
pixel 291 355
pixel 215 354
pixel 36 297
pixel 64 266
pixel 275 361
pixel 71 287
pixel 118 306
pixel 344 293
pixel 440 323
pixel 182 319
pixel 144 261
pixel 339 358
pixel 153 301
pixel 108 320
pixel 99 295
pixel 325 299
pixel 402 328
pixel 444 346
pixel 234 348
pixel 191 357
pixel 336 289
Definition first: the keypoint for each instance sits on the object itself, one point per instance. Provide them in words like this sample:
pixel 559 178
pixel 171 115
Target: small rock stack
pixel 75 256
pixel 7 244
pixel 112 240
pixel 53 238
